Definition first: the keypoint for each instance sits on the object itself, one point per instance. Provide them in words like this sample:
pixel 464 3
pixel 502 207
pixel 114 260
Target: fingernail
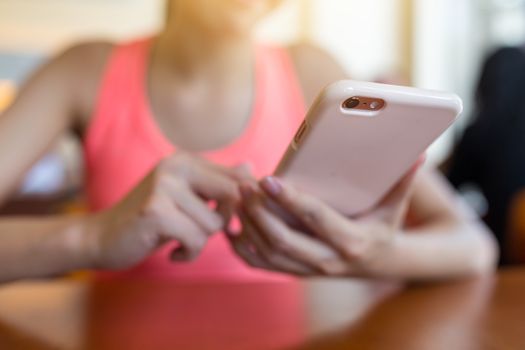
pixel 271 185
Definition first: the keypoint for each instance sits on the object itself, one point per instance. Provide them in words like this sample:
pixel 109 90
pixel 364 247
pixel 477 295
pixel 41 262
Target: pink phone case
pixel 351 158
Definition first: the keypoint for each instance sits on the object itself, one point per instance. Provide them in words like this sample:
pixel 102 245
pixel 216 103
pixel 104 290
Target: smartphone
pixel 359 139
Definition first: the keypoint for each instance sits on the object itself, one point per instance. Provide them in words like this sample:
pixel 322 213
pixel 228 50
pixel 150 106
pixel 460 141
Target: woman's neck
pixel 190 51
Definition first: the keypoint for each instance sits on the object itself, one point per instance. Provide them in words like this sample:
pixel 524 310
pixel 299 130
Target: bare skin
pixel 186 69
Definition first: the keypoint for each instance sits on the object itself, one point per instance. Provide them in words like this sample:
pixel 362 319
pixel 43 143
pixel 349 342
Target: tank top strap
pixel 278 80
pixel 120 92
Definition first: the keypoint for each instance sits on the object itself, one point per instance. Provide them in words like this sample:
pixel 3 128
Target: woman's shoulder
pixel 82 59
pixel 308 59
pixel 82 64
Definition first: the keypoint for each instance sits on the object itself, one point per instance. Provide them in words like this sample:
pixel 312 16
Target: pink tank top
pixel 123 143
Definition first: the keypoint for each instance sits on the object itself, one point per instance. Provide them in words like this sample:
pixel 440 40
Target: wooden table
pixel 486 313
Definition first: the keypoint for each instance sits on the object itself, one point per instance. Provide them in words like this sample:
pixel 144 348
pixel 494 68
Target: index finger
pixel 327 224
pixel 213 184
pixel 239 173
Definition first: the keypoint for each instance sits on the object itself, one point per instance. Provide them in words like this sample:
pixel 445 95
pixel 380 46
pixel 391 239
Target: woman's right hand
pixel 170 204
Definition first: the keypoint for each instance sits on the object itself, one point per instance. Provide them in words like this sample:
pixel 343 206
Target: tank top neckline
pixel 123 143
pixel 162 142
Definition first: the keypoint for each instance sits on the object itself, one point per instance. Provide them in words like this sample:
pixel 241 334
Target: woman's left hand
pixel 318 240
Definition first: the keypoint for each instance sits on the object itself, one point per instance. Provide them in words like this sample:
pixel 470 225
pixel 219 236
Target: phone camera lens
pixel 375 105
pixel 351 103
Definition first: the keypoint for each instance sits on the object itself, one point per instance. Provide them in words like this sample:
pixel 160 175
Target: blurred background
pixel 435 44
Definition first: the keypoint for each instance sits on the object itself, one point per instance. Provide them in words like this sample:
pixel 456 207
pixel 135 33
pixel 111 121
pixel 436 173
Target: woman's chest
pixel 202 117
pixel 129 154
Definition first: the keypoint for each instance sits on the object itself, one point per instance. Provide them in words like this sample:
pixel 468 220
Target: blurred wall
pixel 15 66
pixel 47 25
pixel 449 42
pixel 365 36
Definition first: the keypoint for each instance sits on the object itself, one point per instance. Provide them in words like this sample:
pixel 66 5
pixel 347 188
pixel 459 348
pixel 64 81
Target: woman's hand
pixel 170 204
pixel 317 240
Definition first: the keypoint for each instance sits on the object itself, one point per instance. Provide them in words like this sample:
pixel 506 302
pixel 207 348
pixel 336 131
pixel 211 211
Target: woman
pixel 166 122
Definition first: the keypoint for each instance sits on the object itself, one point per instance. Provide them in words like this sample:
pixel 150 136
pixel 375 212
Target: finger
pixel 328 225
pixel 173 224
pixel 239 173
pixel 250 232
pixel 227 212
pixel 283 214
pixel 213 185
pixel 197 209
pixel 210 180
pixel 270 256
pixel 244 173
pixel 242 248
pixel 294 244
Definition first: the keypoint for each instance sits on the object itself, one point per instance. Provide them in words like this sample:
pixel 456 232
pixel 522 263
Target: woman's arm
pixel 48 104
pixel 446 240
pixel 170 204
pixel 42 247
pixel 448 243
pixel 446 224
pixel 57 97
